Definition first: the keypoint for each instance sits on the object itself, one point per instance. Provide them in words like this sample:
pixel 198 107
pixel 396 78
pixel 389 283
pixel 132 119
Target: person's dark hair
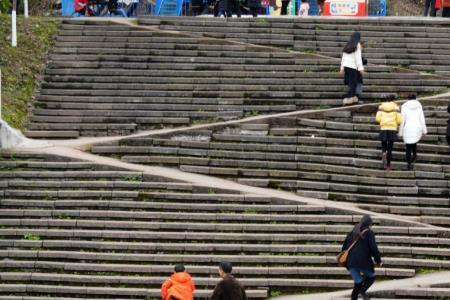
pixel 365 222
pixel 391 97
pixel 412 97
pixel 352 45
pixel 305 1
pixel 179 268
pixel 226 267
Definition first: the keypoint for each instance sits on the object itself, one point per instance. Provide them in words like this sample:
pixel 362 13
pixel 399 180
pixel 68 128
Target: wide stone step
pixel 199 248
pixel 155 215
pixel 93 291
pixel 185 74
pixel 193 269
pixel 95 280
pixel 61 134
pixel 238 81
pixel 163 206
pixel 97 175
pixel 166 235
pixel 243 260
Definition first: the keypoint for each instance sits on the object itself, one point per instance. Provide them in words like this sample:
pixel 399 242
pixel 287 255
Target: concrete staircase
pixel 111 79
pixel 77 229
pixel 72 229
pixel 419 44
pixel 331 155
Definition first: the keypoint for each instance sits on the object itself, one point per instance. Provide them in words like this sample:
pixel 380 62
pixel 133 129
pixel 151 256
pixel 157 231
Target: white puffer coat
pixel 413 122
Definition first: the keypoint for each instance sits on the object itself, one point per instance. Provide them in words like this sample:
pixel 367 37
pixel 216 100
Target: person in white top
pixel 352 67
pixel 412 127
pixel 304 9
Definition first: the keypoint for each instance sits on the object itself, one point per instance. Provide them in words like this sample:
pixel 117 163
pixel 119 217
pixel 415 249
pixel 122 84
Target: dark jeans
pixel 387 147
pixel 254 11
pixel 411 153
pixel 430 4
pixel 352 77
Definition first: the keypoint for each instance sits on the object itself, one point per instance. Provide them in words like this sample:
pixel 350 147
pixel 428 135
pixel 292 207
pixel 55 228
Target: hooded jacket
pixel 180 286
pixel 388 116
pixel 413 122
pixel 361 255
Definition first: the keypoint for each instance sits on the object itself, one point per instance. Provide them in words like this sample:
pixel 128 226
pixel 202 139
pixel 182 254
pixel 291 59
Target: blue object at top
pixel 169 7
pixel 67 8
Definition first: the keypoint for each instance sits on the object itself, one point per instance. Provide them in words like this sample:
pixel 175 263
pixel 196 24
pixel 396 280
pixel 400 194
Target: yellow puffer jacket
pixel 389 116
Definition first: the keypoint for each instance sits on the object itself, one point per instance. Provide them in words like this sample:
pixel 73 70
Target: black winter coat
pixel 229 289
pixel 361 254
pixel 254 3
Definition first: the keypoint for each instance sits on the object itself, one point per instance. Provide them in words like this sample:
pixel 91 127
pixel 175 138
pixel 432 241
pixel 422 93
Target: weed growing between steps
pixel 21 67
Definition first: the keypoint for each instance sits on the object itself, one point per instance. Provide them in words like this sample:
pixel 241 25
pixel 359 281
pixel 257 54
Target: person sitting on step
pixel 179 286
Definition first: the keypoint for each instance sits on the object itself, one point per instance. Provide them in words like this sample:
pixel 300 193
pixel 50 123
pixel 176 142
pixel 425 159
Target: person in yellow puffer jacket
pixel 389 118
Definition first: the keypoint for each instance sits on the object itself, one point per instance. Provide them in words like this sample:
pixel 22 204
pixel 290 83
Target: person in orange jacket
pixel 179 286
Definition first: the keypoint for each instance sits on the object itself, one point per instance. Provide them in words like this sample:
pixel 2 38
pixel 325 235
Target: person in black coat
pixel 228 288
pixel 254 6
pixel 448 128
pixel 360 263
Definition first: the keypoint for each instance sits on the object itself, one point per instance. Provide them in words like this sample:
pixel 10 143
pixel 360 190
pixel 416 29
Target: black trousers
pixel 254 11
pixel 386 147
pixel 411 153
pixel 352 78
pixel 430 5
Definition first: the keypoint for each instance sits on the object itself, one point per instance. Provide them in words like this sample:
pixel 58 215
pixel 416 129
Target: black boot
pixel 356 289
pixel 366 284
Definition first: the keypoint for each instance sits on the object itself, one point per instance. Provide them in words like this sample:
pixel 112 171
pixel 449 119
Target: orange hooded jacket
pixel 180 286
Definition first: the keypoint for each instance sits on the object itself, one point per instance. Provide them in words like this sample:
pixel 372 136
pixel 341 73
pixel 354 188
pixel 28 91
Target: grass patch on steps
pixel 22 66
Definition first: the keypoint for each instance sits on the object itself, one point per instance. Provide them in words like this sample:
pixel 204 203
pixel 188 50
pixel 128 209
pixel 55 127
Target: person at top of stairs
pixel 389 118
pixel 352 67
pixel 304 9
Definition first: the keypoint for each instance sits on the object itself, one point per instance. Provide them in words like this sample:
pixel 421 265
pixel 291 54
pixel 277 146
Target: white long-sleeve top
pixel 352 60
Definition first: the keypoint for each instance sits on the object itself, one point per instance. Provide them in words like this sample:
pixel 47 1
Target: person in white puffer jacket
pixel 412 128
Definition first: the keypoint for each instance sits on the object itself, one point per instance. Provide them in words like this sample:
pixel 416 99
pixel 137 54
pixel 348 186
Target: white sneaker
pixel 354 99
pixel 347 101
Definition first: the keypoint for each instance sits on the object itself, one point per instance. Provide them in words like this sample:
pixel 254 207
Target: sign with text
pixel 345 8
